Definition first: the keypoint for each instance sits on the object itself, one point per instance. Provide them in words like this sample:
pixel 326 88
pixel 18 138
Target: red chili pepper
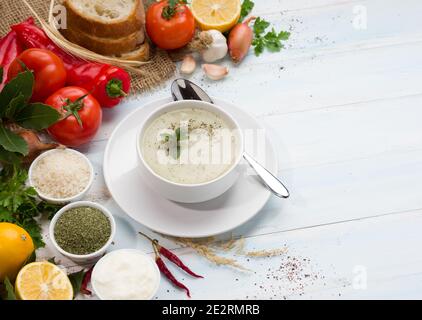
pixel 163 268
pixel 171 256
pixel 108 84
pixel 86 280
pixel 32 36
pixel 10 48
pixel 175 259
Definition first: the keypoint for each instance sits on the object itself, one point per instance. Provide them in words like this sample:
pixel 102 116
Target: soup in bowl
pixel 189 151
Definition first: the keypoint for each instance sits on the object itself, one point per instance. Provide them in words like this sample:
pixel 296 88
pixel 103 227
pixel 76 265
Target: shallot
pixel 240 40
pixel 35 145
pixel 215 72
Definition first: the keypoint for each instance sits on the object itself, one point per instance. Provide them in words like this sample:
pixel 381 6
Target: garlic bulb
pixel 217 49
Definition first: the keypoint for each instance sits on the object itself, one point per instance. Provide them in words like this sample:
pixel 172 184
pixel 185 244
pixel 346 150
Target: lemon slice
pixel 43 281
pixel 221 15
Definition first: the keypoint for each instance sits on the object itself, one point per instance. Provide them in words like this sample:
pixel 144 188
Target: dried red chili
pixel 175 259
pixel 163 268
pixel 86 280
pixel 172 257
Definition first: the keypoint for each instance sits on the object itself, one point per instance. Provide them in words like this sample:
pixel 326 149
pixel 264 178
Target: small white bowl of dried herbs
pixel 82 231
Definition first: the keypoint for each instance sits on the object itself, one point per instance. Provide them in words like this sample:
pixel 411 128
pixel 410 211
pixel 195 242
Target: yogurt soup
pixel 190 145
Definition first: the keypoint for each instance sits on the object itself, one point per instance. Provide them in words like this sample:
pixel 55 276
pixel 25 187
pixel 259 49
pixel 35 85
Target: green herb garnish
pixel 173 142
pixel 270 40
pixel 15 108
pixel 19 203
pixel 170 10
pixel 247 6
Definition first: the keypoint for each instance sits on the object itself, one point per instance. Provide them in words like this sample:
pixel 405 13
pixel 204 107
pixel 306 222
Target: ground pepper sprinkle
pixel 82 230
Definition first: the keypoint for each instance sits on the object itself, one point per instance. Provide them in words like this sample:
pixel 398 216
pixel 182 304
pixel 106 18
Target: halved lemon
pixel 43 281
pixel 221 15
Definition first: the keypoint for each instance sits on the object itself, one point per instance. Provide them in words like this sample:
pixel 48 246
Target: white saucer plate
pixel 232 209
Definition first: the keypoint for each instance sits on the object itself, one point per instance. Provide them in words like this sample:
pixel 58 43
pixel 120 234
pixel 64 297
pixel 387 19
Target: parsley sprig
pixel 19 203
pixel 271 40
pixel 247 7
pixel 263 39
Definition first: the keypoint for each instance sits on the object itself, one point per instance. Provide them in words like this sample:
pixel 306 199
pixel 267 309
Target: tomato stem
pixel 72 108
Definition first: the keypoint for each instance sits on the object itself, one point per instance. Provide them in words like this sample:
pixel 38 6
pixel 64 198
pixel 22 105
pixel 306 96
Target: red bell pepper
pixel 32 36
pixel 10 48
pixel 108 84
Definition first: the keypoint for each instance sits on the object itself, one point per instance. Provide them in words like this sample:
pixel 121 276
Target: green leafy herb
pixel 21 84
pixel 10 291
pixel 12 142
pixel 8 157
pixel 259 26
pixel 272 40
pixel 19 204
pixel 247 7
pixel 14 108
pixel 174 142
pixel 36 116
pixel 76 280
pixel 170 10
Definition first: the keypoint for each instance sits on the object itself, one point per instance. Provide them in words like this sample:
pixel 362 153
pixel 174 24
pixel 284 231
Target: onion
pixel 35 145
pixel 240 40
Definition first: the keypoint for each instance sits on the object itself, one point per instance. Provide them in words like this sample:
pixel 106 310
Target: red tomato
pixel 49 71
pixel 74 103
pixel 172 33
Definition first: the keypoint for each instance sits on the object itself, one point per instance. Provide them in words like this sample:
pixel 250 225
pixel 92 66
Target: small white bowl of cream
pixel 126 274
pixel 61 175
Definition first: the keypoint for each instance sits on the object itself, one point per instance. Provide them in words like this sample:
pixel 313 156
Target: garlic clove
pixel 188 65
pixel 215 72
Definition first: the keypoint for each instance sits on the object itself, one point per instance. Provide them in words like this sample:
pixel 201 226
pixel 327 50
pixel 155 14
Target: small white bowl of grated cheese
pixel 61 175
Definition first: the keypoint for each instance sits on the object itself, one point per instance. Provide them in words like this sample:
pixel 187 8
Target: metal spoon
pixel 183 89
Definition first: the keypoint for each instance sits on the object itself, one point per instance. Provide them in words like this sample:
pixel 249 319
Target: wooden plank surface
pixel 343 106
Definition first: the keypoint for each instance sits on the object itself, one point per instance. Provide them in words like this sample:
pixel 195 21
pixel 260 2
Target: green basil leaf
pixel 37 116
pixel 12 142
pixel 10 291
pixel 15 106
pixel 21 84
pixel 9 157
pixel 76 281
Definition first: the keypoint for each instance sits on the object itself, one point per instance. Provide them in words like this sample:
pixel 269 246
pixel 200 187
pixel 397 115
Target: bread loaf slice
pixel 105 18
pixel 141 53
pixel 105 46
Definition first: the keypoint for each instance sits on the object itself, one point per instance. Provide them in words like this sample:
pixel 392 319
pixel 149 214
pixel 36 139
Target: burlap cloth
pixel 157 71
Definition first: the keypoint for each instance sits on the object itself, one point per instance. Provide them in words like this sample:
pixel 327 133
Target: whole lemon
pixel 16 246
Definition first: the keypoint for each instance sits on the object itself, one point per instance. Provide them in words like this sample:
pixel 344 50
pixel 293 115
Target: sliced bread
pixel 105 18
pixel 141 53
pixel 105 46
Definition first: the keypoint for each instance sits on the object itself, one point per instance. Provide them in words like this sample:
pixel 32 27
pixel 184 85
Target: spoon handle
pixel 272 182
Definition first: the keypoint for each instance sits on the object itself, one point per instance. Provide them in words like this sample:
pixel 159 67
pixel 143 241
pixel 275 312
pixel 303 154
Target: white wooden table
pixel 343 104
